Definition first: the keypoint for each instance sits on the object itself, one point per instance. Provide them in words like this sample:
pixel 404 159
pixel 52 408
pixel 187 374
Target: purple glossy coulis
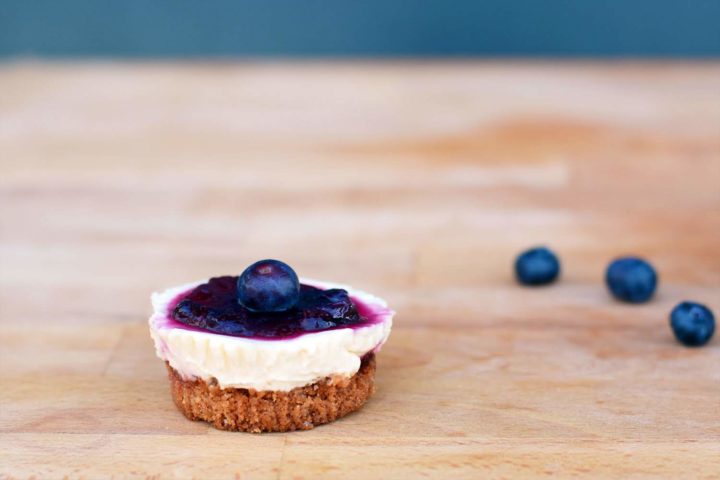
pixel 213 306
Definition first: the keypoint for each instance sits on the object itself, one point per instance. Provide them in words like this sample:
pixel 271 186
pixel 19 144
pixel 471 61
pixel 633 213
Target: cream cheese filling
pixel 267 364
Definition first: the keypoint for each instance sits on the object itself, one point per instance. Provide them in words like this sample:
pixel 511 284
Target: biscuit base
pixel 247 410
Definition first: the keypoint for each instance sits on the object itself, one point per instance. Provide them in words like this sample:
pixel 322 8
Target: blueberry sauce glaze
pixel 213 307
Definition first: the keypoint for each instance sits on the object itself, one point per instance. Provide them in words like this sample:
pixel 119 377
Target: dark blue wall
pixel 172 28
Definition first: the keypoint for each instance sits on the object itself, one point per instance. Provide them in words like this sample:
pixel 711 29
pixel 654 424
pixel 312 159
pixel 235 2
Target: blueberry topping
pixel 631 279
pixel 213 306
pixel 692 323
pixel 268 286
pixel 537 266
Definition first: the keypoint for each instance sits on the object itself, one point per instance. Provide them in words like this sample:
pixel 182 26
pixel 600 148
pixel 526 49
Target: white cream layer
pixel 267 364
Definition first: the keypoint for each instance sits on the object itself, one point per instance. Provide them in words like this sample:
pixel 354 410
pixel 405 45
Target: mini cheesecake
pixel 268 371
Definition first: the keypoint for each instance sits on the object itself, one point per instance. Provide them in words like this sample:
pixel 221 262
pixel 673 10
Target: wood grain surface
pixel 416 181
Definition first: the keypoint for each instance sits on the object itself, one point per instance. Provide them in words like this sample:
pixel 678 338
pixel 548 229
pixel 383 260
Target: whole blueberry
pixel 268 286
pixel 537 266
pixel 692 323
pixel 631 279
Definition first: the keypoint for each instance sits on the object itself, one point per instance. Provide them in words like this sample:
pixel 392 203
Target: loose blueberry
pixel 537 266
pixel 268 286
pixel 631 279
pixel 692 323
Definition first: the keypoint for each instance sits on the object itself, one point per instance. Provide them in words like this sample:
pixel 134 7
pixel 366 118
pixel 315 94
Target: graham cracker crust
pixel 246 410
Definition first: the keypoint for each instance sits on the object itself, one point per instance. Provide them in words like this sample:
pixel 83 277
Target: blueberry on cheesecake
pixel 267 351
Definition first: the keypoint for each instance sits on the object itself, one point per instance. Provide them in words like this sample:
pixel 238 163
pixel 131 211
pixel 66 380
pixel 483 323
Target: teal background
pixel 365 28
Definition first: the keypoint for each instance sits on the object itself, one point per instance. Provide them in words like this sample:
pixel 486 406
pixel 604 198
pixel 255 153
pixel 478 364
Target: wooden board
pixel 417 181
